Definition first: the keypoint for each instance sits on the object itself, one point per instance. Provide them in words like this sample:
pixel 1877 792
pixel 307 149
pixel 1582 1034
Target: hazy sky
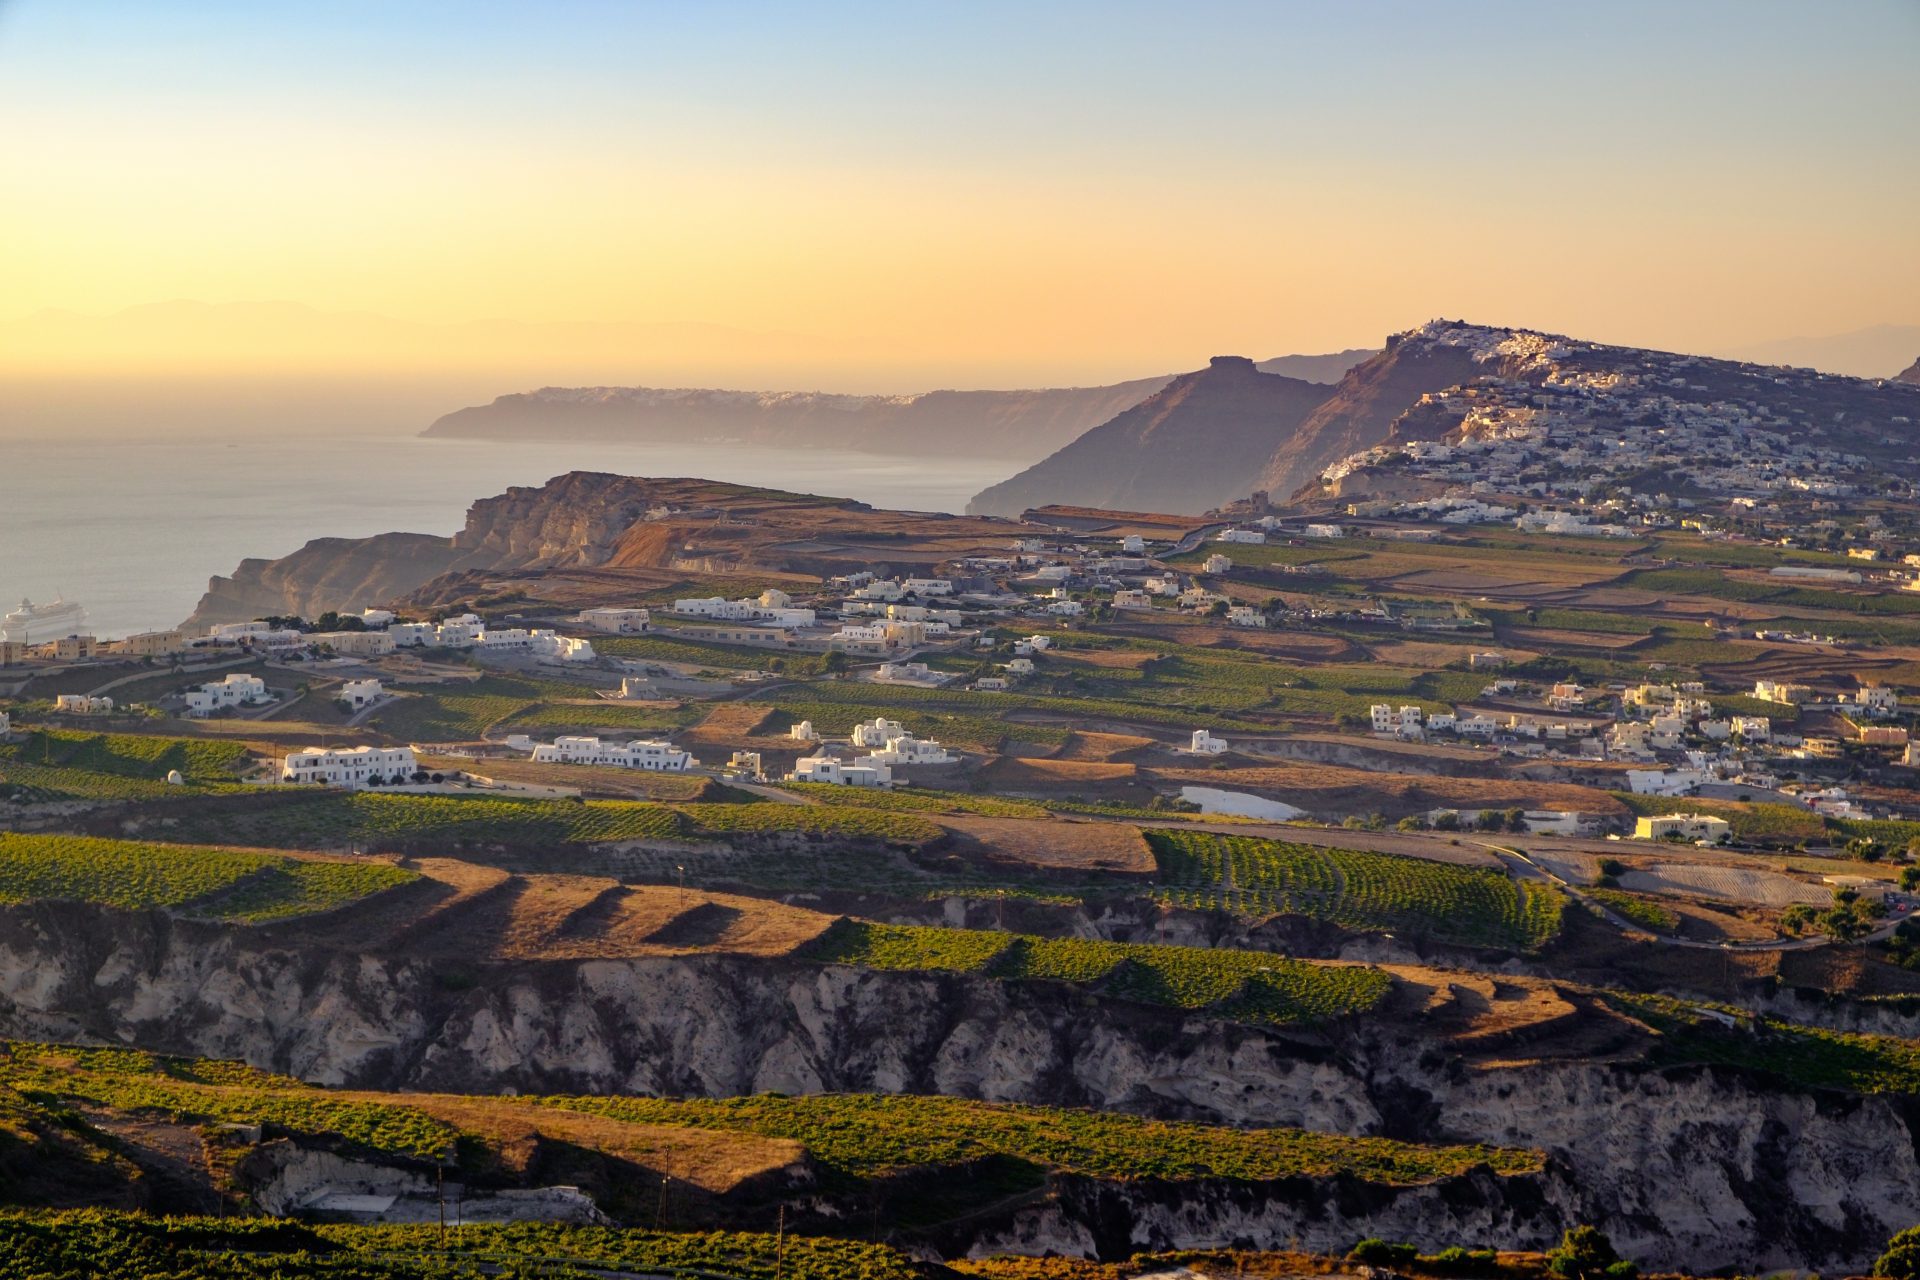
pixel 984 189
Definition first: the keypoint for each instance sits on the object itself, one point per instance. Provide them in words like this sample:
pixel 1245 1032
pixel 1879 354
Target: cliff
pixel 1020 426
pixel 1014 424
pixel 1688 1166
pixel 595 521
pixel 1190 447
pixel 1910 374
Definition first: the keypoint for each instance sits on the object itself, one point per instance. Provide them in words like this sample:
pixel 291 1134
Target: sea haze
pixel 134 528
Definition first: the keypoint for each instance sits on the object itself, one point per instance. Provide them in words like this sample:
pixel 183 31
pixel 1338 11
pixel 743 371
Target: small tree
pixel 1585 1253
pixel 1901 1261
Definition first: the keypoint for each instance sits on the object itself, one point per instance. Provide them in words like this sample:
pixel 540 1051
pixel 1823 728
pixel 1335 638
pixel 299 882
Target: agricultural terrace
pixel 855 1135
pixel 1248 986
pixel 82 1244
pixel 465 712
pixel 1808 1056
pixel 1354 888
pixel 317 819
pixel 239 885
pixel 684 648
pixel 864 1135
pixel 59 764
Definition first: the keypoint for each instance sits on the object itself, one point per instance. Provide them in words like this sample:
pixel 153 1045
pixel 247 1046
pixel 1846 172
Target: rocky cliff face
pixel 327 573
pixel 572 520
pixel 1910 374
pixel 1190 447
pixel 1688 1167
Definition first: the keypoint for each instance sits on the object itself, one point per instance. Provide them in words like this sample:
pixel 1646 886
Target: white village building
pixel 654 757
pixel 237 690
pixel 351 767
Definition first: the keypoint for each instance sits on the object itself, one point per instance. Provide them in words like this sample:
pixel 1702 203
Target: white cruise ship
pixel 38 623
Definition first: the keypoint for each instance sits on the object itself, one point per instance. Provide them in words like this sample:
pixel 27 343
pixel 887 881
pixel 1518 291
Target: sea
pixel 133 528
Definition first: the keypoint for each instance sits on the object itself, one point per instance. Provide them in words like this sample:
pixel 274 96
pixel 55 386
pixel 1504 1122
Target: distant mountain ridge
pixel 1223 432
pixel 1021 425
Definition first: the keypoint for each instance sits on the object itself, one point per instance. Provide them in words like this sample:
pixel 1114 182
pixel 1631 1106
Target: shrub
pixel 1585 1253
pixel 1375 1250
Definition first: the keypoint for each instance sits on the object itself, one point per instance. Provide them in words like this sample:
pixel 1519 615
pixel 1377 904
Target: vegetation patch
pixel 872 1134
pixel 1354 888
pixel 1249 986
pixel 233 884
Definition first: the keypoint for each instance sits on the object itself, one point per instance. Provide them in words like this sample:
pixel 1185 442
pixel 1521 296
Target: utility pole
pixel 440 1194
pixel 780 1245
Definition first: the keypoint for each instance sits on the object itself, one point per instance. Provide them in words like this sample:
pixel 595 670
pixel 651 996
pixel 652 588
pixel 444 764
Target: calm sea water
pixel 134 528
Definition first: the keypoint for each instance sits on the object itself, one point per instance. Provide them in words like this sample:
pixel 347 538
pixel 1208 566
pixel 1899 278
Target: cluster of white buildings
pixel 1557 419
pixel 469 631
pixel 773 607
pixel 81 704
pixel 887 746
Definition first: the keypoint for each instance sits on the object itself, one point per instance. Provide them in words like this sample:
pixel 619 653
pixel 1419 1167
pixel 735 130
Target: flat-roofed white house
pixel 352 767
pixel 654 757
pixel 927 587
pixel 618 622
pixel 414 635
pixel 236 690
pixel 840 773
pixel 361 693
pixel 1204 743
pixel 1252 536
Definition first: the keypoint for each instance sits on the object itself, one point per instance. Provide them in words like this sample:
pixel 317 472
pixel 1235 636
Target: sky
pixel 889 196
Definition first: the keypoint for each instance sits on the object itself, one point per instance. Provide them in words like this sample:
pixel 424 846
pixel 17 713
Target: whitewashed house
pixel 360 693
pixel 818 768
pixel 654 757
pixel 352 767
pixel 236 690
pixel 1203 743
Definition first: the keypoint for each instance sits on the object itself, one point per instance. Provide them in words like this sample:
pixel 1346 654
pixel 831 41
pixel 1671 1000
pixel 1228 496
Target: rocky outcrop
pixel 1688 1167
pixel 1910 374
pixel 585 520
pixel 1190 447
pixel 327 573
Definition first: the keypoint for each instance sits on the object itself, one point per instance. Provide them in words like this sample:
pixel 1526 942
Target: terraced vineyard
pixel 429 823
pixel 462 713
pixel 863 1135
pixel 214 1091
pixel 231 884
pixel 1247 986
pixel 85 1244
pixel 916 801
pixel 57 764
pixel 1354 888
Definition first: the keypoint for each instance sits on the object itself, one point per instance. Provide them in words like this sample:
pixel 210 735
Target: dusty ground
pixel 1051 845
